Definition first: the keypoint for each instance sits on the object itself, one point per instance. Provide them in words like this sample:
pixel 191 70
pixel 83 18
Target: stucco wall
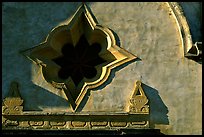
pixel 172 82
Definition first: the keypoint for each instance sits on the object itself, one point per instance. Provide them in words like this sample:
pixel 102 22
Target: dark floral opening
pixel 79 61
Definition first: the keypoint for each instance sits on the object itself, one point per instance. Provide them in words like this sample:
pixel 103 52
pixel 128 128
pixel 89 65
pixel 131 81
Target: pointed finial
pixel 138 101
pixel 12 104
pixel 14 90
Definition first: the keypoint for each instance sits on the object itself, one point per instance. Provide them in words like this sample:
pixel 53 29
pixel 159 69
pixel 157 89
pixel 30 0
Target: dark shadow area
pixel 195 53
pixel 158 110
pixel 85 132
pixel 79 61
pixel 193 14
pixel 197 59
pixel 33 101
pixel 46 99
pixel 42 98
pixel 27 16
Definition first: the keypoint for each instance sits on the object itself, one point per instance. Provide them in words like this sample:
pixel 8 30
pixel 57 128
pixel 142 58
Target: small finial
pixel 14 90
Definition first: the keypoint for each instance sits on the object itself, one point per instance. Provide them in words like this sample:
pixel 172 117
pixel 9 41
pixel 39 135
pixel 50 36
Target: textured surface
pixel 172 83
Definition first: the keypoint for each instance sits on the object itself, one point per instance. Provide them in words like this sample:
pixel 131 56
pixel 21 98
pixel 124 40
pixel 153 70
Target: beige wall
pixel 172 82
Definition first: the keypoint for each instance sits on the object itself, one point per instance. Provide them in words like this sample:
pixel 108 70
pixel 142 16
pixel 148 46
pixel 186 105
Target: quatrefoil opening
pixel 79 55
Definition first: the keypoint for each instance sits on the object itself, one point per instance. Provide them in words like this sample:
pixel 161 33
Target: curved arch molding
pixel 191 50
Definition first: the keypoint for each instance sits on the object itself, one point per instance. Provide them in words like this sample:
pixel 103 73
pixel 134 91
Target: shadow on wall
pixel 158 110
pixel 45 99
pixel 40 98
pixel 35 20
pixel 193 13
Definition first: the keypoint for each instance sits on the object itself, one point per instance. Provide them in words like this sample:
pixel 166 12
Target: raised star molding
pixel 50 55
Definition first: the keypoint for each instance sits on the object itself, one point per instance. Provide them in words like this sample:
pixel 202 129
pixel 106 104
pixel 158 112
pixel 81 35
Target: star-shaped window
pixel 78 56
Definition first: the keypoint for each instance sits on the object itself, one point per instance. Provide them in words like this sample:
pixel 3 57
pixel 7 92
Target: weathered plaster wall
pixel 172 82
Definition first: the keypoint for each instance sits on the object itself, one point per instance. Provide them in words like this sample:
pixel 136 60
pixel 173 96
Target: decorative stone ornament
pixel 138 101
pixel 12 105
pixel 13 116
pixel 73 70
pixel 191 50
pixel 78 56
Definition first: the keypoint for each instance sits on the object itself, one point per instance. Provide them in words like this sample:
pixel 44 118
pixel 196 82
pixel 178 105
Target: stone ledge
pixel 85 132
